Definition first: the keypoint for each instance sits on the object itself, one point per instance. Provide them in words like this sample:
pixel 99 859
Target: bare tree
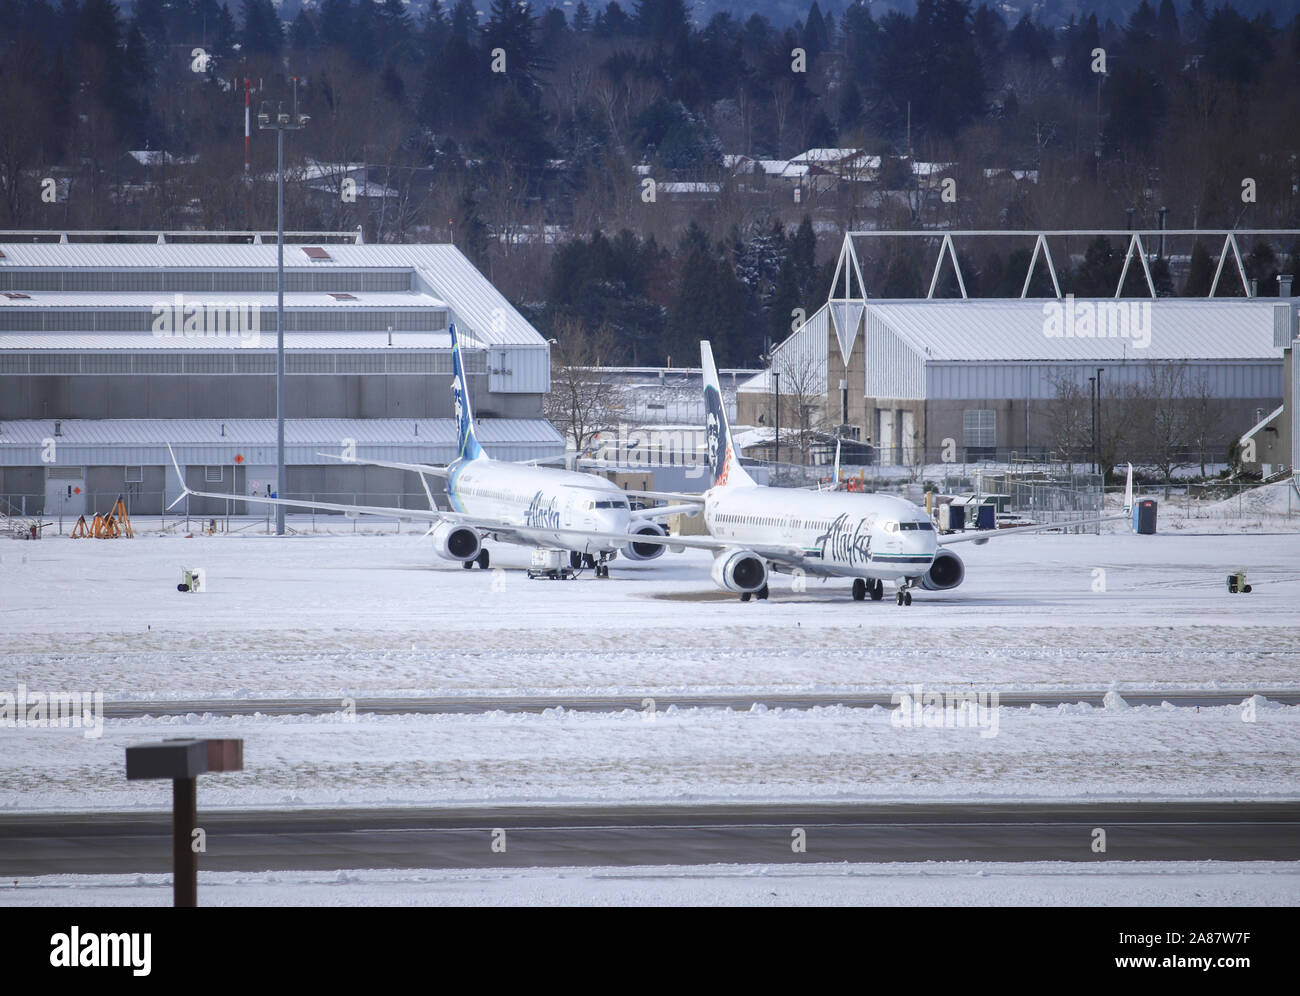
pixel 1069 418
pixel 581 401
pixel 803 400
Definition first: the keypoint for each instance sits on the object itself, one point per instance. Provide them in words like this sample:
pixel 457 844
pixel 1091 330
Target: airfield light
pixel 283 122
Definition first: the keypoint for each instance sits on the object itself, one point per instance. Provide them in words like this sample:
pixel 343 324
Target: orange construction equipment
pixel 116 523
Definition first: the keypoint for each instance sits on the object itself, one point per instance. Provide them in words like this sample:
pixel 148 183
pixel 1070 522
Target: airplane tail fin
pixel 724 464
pixel 467 443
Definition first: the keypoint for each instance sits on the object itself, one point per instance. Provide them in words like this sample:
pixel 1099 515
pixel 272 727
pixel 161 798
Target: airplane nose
pixel 616 521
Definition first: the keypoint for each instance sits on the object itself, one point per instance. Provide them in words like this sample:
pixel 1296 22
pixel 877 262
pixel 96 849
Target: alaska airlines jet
pixel 871 538
pixel 556 512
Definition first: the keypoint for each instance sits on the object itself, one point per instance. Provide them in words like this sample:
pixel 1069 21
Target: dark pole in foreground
pixel 183 761
pixel 185 860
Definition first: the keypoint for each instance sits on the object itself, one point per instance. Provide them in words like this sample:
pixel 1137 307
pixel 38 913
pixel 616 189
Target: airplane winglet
pixel 180 476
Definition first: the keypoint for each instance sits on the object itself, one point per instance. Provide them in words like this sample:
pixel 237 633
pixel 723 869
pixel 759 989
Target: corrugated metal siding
pixel 1014 330
pixel 91 442
pixel 801 356
pixel 893 368
pixel 440 270
pixel 964 381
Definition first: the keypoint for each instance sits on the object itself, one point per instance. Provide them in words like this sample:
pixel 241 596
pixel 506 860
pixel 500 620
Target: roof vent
pixel 316 254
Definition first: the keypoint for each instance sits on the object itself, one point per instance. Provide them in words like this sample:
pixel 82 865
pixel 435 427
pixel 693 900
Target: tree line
pixel 524 137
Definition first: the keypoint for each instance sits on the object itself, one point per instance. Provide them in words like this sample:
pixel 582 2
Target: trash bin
pixel 1144 516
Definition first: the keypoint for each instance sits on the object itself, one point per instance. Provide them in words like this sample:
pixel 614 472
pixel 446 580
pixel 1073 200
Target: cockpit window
pixel 612 503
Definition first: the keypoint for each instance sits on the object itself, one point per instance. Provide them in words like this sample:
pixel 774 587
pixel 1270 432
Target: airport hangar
pixel 982 372
pixel 91 392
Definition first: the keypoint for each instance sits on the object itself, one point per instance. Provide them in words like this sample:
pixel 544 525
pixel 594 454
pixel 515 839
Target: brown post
pixel 183 760
pixel 185 861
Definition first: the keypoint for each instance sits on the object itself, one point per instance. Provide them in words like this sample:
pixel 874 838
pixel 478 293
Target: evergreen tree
pixel 336 23
pixel 581 18
pixel 262 33
pixel 302 34
pixel 512 28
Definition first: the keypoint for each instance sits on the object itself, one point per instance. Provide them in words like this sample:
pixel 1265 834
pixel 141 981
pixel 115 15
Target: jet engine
pixel 739 570
pixel 947 571
pixel 645 551
pixel 453 542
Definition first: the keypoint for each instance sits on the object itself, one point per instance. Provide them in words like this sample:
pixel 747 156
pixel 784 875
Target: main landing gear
pixel 482 560
pixel 586 561
pixel 761 594
pixel 863 587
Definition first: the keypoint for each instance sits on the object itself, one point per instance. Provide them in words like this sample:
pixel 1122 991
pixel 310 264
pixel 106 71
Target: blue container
pixel 1144 516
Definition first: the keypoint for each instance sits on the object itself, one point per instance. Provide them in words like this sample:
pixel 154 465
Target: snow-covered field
pixel 835 753
pixel 1134 883
pixel 372 613
pixel 347 615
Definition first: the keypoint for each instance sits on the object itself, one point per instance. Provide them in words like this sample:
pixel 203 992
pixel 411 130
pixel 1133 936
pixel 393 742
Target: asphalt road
pixel 261 840
pixel 407 705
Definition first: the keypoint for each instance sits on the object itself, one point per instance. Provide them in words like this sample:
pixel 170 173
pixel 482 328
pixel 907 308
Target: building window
pixel 134 475
pixel 979 428
pixel 213 475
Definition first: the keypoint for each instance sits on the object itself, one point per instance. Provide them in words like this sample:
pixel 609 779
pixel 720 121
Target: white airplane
pixel 571 520
pixel 871 538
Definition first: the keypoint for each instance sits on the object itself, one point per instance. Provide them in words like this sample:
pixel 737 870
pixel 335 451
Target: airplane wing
pixel 495 527
pixel 418 468
pixel 662 511
pixel 984 535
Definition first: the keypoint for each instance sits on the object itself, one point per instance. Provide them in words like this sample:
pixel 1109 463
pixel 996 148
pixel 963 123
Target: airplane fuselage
pixel 540 498
pixel 842 534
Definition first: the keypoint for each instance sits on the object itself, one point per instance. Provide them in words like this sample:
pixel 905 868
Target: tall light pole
pixel 776 376
pixel 281 122
pixel 1100 468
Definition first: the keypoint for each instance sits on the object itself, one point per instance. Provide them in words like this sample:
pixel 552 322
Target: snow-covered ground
pixel 1130 883
pixel 347 615
pixel 835 753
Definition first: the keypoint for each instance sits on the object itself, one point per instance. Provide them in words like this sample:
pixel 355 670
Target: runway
pixel 426 705
pixel 34 844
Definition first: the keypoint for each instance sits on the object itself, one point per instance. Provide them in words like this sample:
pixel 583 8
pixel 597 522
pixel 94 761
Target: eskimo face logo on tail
pixel 456 401
pixel 717 445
